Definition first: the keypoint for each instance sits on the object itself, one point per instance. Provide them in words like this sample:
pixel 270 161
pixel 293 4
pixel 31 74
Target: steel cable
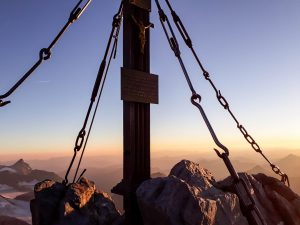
pixel 81 135
pixel 112 55
pixel 252 212
pixel 45 53
pixel 222 100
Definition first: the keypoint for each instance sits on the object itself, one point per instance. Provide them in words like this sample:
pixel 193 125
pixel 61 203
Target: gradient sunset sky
pixel 250 48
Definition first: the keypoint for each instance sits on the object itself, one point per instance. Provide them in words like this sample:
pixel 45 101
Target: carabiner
pixel 77 11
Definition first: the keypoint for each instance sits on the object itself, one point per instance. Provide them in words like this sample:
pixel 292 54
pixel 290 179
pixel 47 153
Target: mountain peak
pixel 22 167
pixel 20 161
pixel 291 158
pixel 260 169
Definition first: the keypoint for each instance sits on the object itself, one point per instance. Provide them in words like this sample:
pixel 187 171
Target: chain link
pixel 222 100
pixel 253 214
pixel 79 140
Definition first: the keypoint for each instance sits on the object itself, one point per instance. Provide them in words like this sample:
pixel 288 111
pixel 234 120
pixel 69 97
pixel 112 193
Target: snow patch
pixel 15 208
pixel 4 188
pixel 12 194
pixel 8 169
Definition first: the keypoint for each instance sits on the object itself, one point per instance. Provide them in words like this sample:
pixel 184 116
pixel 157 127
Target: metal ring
pixel 196 96
pixel 206 74
pixel 45 54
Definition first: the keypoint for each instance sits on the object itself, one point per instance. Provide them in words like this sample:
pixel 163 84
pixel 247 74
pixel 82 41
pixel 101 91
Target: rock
pixel 157 174
pixel 187 196
pixel 190 195
pixel 277 203
pixel 77 204
pixel 44 207
pixel 285 201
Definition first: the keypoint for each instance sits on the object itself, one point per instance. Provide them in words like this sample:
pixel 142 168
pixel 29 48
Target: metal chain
pixel 222 100
pixel 45 53
pixel 81 135
pixel 254 214
pixel 112 55
pixel 195 96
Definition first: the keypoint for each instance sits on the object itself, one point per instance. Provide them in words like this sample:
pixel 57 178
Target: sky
pixel 250 48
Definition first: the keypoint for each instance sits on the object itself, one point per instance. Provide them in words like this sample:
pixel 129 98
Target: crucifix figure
pixel 142 34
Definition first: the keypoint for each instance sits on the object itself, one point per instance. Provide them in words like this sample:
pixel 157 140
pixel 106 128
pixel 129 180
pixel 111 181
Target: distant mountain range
pixel 260 169
pixel 289 165
pixel 17 180
pixel 21 177
pixel 16 190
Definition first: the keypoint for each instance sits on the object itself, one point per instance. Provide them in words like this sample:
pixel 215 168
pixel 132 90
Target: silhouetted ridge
pixel 291 158
pixel 22 177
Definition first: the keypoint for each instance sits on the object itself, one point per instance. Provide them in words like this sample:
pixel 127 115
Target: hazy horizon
pixel 206 153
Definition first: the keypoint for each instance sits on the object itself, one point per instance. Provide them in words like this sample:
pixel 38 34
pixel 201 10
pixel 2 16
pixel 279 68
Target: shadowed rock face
pixel 190 195
pixel 77 204
pixel 277 203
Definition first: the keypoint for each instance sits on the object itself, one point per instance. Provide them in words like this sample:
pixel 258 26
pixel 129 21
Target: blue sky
pixel 250 48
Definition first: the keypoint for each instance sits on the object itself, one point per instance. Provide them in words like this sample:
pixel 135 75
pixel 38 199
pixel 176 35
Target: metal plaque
pixel 143 4
pixel 138 86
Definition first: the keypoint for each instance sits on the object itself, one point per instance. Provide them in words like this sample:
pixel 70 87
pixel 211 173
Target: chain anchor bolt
pixel 4 103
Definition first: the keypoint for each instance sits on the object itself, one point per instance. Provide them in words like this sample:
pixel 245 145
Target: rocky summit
pixel 77 204
pixel 190 195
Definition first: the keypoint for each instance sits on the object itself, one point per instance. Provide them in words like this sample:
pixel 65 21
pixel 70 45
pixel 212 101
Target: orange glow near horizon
pixel 158 148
